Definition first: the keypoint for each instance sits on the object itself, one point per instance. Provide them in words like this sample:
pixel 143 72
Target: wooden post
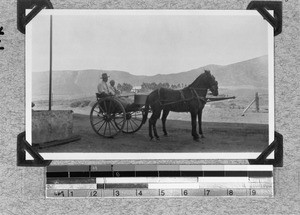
pixel 50 70
pixel 243 114
pixel 257 102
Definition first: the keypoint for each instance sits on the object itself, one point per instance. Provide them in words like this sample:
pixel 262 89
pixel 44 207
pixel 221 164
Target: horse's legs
pixel 200 122
pixel 156 116
pixel 150 128
pixel 164 119
pixel 155 130
pixel 194 125
pixel 152 123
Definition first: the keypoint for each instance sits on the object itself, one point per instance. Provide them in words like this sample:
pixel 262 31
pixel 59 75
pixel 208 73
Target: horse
pixel 189 99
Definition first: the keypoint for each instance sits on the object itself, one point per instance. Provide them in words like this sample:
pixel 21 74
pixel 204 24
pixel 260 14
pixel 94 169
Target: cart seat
pixel 100 96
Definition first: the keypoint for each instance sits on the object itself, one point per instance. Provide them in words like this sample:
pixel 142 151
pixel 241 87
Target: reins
pixel 198 97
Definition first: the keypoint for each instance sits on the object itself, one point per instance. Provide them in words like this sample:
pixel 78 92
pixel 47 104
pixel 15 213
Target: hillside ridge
pixel 252 73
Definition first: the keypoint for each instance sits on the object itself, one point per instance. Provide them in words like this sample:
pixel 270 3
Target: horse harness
pixel 183 99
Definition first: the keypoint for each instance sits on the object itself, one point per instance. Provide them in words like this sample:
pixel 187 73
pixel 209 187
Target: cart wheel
pixel 133 122
pixel 107 117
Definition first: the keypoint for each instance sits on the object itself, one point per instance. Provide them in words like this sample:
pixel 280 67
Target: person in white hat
pixel 103 88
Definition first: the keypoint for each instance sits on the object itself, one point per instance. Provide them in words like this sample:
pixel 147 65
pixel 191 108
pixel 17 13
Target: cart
pixel 109 117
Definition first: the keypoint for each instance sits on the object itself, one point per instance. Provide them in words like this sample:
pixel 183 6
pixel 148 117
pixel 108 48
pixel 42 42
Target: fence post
pixel 257 101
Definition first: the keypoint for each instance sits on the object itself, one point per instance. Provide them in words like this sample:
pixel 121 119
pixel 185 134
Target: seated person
pixel 103 88
pixel 113 89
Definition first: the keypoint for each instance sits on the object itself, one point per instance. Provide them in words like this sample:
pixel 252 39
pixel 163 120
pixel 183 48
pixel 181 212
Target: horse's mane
pixel 197 80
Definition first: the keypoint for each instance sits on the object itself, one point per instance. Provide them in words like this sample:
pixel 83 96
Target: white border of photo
pixel 147 156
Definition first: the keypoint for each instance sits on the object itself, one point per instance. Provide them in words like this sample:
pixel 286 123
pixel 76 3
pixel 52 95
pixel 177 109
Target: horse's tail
pixel 146 111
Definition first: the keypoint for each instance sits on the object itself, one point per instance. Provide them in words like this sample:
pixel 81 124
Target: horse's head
pixel 212 83
pixel 206 81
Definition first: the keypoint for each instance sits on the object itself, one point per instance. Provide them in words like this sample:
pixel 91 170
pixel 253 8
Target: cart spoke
pixel 101 109
pixel 131 125
pixel 101 126
pixel 98 122
pixel 105 128
pixel 138 119
pixel 94 110
pixel 135 123
pixel 109 128
pixel 120 123
pixel 99 115
pixel 114 127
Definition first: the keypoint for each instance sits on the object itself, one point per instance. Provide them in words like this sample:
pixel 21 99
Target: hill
pixel 252 73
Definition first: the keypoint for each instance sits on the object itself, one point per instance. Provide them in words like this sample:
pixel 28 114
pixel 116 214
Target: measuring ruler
pixel 142 181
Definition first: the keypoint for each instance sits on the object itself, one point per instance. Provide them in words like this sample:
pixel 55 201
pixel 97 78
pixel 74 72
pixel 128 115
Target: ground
pixel 224 130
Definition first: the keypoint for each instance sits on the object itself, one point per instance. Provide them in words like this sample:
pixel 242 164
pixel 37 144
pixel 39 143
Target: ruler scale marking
pixel 137 181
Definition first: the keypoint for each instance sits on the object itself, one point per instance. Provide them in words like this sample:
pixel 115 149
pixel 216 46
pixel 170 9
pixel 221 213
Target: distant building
pixel 136 89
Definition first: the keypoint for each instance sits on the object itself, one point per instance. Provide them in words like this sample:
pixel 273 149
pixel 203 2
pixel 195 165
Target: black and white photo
pixel 145 84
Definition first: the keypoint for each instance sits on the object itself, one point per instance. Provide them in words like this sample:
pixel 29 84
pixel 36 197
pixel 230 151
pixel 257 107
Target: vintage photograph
pixel 145 84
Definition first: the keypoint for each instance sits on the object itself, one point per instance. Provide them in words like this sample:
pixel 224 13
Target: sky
pixel 146 44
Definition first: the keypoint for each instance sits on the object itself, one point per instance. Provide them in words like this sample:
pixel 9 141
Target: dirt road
pixel 219 137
